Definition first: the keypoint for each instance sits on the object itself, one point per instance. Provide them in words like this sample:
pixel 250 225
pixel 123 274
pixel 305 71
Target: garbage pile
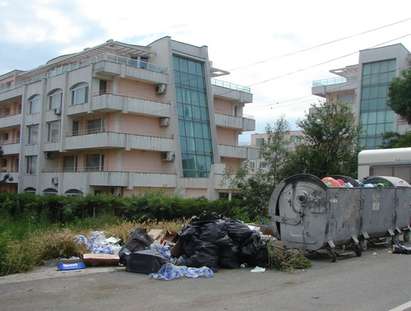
pixel 220 243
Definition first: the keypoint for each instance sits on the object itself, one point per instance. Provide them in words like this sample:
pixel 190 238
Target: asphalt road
pixel 380 281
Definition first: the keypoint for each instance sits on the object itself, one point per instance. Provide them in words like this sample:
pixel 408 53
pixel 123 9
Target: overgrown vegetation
pixel 286 259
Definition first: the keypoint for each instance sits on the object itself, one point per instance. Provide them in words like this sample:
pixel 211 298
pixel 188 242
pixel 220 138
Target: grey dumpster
pixel 309 215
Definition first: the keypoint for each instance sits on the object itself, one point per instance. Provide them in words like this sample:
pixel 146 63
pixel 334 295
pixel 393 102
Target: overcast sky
pixel 238 34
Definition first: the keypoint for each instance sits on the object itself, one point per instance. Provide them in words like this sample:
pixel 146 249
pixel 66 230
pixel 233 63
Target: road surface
pixel 376 281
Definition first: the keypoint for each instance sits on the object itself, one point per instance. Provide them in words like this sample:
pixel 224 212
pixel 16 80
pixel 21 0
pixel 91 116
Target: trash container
pixel 309 215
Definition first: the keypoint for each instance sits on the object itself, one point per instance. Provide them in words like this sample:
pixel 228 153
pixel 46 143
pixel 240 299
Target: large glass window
pixel 55 99
pixel 375 116
pixel 95 126
pixel 53 131
pixel 193 116
pixel 33 104
pixel 32 134
pixel 70 164
pixel 79 94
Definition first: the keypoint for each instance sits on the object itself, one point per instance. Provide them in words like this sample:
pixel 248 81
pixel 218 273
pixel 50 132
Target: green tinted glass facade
pixel 193 117
pixel 376 118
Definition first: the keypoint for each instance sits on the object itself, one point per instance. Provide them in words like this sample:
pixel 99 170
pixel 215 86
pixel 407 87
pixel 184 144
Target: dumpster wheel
pixel 358 250
pixel 332 253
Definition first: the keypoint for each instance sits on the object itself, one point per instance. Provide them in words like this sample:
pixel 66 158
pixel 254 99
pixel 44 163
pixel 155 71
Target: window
pixel 75 128
pixel 3 164
pixel 30 190
pixel 50 191
pixel 79 94
pixel 94 126
pixel 259 142
pixel 33 104
pixel 32 134
pixel 73 193
pixel 102 87
pixel 193 117
pixel 55 99
pixel 53 131
pixel 4 137
pixel 31 165
pixel 70 164
pixel 95 162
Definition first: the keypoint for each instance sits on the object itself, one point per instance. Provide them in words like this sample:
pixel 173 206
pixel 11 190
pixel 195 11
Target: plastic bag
pixel 139 240
pixel 145 261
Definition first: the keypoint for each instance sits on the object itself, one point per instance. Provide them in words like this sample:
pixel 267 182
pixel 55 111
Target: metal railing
pixel 230 85
pixel 96 169
pixel 83 63
pixel 10 141
pixel 329 81
pixel 84 132
pixel 9 115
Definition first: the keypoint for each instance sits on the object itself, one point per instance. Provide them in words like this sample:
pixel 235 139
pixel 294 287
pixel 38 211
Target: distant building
pixel 123 119
pixel 364 87
pixel 292 139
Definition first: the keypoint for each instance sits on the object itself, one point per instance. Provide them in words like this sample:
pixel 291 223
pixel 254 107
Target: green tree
pixel 400 95
pixel 257 184
pixel 395 140
pixel 330 144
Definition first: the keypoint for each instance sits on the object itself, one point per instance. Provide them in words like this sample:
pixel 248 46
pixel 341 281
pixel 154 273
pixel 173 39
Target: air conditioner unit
pixel 161 88
pixel 57 111
pixel 168 156
pixel 55 181
pixel 49 155
pixel 164 122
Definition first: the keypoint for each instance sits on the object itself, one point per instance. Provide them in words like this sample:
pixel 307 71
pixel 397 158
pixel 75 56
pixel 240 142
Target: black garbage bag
pixel 212 231
pixel 139 240
pixel 237 231
pixel 206 254
pixel 145 261
pixel 228 254
pixel 254 251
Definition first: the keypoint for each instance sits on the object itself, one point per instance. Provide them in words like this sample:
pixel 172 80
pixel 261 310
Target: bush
pixel 61 209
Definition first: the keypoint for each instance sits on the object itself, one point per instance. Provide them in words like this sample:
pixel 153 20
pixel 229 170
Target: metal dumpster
pixel 309 215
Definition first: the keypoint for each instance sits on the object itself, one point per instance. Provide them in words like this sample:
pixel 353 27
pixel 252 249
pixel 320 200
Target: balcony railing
pixel 231 86
pixel 329 81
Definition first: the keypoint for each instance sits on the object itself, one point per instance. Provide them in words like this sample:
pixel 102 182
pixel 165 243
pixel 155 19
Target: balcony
pixel 83 179
pixel 10 147
pixel 238 152
pixel 9 177
pixel 126 104
pixel 240 123
pixel 231 91
pixel 10 120
pixel 324 86
pixel 113 65
pixel 107 140
pixel 11 92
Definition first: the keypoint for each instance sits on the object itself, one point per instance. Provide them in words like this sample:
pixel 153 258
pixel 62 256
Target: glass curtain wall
pixel 193 117
pixel 375 115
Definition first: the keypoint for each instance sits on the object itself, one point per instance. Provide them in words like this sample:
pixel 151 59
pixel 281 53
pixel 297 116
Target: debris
pixel 98 243
pixel 374 254
pixel 139 240
pixel 61 266
pixel 145 261
pixel 399 248
pixel 171 272
pixel 156 234
pixel 258 269
pixel 95 260
pixel 285 259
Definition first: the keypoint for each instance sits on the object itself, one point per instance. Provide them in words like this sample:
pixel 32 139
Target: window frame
pixel 74 91
pixel 51 95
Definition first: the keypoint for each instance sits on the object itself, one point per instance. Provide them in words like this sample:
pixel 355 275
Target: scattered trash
pixel 156 234
pixel 99 260
pixel 399 248
pixel 61 266
pixel 139 240
pixel 171 272
pixel 374 254
pixel 285 259
pixel 145 261
pixel 98 243
pixel 258 269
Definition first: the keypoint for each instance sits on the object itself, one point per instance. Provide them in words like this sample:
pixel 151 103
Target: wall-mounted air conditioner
pixel 57 111
pixel 161 88
pixel 164 122
pixel 168 156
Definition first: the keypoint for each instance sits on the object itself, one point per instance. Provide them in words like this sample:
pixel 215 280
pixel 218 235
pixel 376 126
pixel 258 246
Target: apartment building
pixel 123 119
pixel 365 87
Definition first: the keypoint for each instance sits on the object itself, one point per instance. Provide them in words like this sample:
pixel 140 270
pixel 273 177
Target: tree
pixel 395 140
pixel 256 185
pixel 330 143
pixel 400 95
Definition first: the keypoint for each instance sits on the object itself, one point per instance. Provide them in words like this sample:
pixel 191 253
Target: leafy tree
pixel 400 95
pixel 395 140
pixel 330 142
pixel 256 185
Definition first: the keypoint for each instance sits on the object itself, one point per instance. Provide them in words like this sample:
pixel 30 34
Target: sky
pixel 247 38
